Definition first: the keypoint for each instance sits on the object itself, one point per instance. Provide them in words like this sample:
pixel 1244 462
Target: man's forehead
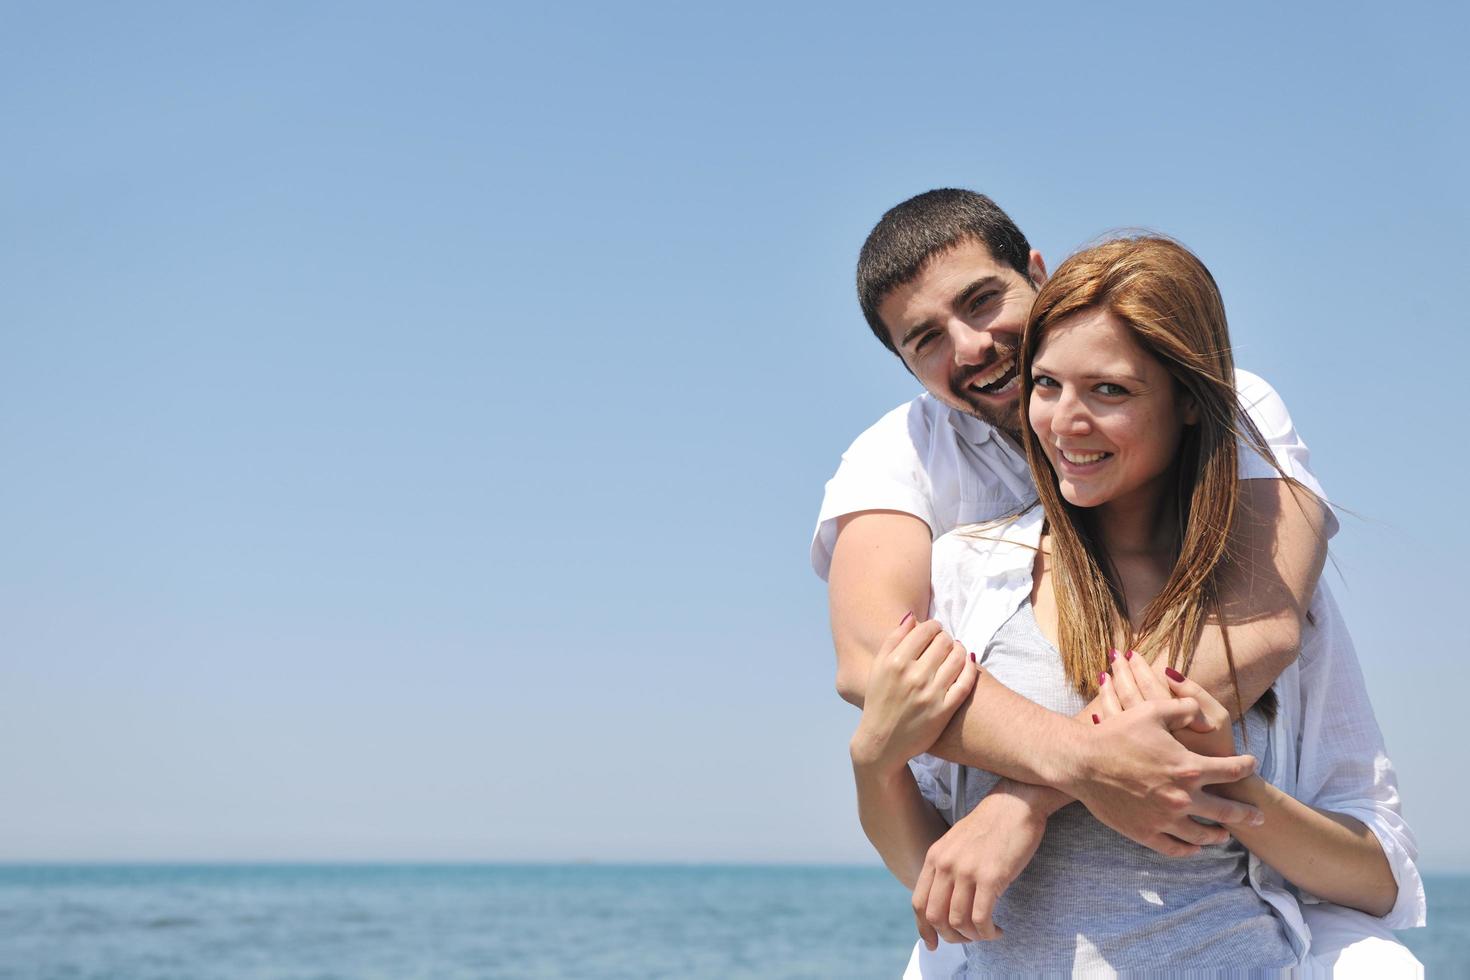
pixel 968 256
pixel 945 277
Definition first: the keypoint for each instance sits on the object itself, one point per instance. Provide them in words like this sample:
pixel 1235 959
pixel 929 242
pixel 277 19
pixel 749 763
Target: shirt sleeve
pixel 935 778
pixel 1266 409
pixel 1343 764
pixel 884 469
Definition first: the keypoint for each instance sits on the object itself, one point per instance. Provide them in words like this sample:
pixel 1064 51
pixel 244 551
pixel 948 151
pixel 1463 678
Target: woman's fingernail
pixel 1112 656
pixel 906 617
pixel 1128 655
pixel 1096 720
pixel 1102 678
pixel 972 658
pixel 1173 674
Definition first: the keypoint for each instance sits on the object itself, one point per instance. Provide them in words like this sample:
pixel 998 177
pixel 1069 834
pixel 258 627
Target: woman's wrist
pixel 869 758
pixel 1252 790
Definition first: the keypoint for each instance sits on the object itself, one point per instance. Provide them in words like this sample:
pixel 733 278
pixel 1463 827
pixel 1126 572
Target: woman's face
pixel 1108 414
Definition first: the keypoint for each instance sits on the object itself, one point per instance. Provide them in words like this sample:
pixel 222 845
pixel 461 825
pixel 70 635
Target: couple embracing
pixel 1112 722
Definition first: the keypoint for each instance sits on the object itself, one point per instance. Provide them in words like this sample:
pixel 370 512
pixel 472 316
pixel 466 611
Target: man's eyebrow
pixel 915 331
pixel 976 286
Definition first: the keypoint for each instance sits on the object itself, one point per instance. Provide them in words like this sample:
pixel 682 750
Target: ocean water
pixel 322 922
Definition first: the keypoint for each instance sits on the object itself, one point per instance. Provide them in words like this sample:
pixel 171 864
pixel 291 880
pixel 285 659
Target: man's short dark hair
pixel 912 233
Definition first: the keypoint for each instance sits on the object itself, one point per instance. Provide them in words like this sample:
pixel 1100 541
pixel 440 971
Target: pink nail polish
pixel 972 658
pixel 906 617
pixel 1173 674
pixel 1096 720
pixel 1102 678
pixel 1112 656
pixel 1128 655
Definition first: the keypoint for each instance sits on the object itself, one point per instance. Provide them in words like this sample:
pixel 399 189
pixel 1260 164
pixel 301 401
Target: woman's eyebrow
pixel 1037 367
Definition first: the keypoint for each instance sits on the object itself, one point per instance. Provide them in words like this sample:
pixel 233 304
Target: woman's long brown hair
pixel 1168 299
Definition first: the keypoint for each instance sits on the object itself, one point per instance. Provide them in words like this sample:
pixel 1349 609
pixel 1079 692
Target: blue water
pixel 202 922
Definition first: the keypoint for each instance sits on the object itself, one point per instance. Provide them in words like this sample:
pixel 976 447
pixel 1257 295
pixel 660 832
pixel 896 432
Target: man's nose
pixel 971 346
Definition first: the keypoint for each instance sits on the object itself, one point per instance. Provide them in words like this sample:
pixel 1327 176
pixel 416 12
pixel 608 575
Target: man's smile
pixel 1001 378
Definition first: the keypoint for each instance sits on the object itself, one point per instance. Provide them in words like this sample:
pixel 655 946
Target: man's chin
pixel 1005 416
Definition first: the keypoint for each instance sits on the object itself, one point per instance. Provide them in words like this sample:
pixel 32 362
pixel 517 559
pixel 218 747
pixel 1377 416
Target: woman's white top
pixel 1328 750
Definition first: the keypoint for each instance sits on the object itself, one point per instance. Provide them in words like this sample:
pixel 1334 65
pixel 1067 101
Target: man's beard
pixel 1006 418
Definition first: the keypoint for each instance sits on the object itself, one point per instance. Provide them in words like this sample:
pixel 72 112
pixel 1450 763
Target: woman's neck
pixel 1143 524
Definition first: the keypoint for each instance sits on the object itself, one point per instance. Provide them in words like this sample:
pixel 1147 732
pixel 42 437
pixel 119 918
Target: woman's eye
pixel 1043 381
pixel 1108 388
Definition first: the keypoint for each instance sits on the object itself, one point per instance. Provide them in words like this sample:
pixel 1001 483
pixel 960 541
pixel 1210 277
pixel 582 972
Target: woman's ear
pixel 1189 409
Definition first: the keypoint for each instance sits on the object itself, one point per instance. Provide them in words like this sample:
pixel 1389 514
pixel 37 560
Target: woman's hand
pixel 918 679
pixel 1132 681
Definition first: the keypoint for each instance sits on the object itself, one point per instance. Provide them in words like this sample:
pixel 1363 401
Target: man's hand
pixel 1136 778
pixel 967 870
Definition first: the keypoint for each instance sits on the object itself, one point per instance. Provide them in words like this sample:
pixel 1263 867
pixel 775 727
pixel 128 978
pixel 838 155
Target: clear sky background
pixel 413 416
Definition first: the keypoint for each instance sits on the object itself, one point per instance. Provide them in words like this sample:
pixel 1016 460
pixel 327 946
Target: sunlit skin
pixel 1109 416
pixel 957 326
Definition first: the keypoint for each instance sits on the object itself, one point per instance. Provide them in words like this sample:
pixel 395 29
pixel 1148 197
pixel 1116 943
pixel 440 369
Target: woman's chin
pixel 1081 496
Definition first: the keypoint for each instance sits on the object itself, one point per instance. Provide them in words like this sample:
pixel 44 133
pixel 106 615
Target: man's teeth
pixel 1081 458
pixel 995 374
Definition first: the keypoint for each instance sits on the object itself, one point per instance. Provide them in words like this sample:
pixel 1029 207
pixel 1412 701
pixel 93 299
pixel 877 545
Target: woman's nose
pixel 1071 416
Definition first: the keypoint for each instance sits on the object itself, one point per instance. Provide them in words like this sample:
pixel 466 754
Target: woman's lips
pixel 1082 462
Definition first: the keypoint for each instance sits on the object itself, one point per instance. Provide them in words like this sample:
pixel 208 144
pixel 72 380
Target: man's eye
pixel 982 299
pixel 1108 388
pixel 923 341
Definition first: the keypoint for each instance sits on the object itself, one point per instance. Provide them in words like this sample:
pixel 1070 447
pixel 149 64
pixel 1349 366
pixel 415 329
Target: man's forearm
pixel 1012 736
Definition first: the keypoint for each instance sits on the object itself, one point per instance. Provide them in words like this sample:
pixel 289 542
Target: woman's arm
pixel 1331 855
pixel 1334 857
pixel 917 680
pixel 901 824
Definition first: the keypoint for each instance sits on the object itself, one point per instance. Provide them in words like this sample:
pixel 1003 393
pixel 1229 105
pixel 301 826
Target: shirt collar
pixel 976 432
pixel 971 428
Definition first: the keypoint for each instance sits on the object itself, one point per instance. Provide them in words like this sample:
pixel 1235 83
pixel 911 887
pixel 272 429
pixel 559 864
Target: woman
pixel 1132 435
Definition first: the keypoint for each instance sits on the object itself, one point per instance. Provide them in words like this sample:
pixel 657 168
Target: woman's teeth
pixel 1083 458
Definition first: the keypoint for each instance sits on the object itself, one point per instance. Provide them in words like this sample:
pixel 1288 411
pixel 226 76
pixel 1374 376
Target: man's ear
pixel 1036 268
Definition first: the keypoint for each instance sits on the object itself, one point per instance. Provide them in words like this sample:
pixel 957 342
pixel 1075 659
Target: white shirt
pixel 949 469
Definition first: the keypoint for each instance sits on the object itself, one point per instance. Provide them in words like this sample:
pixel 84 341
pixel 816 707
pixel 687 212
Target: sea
pixel 396 922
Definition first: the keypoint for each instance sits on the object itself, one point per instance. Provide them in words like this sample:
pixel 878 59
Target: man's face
pixel 958 325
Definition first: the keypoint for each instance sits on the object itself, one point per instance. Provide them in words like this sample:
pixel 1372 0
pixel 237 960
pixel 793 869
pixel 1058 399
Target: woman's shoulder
pixel 994 545
pixel 980 566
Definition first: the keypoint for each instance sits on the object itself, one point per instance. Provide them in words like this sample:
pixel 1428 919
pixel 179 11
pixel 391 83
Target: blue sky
pixel 414 415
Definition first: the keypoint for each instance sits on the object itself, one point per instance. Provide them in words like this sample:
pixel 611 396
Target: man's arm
pixel 880 572
pixel 1278 549
pixel 1138 780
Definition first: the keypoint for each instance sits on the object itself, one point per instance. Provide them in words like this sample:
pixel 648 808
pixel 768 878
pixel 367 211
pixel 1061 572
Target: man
pixel 945 281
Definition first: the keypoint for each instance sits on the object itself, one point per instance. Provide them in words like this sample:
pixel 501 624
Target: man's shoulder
pixel 915 422
pixel 1248 383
